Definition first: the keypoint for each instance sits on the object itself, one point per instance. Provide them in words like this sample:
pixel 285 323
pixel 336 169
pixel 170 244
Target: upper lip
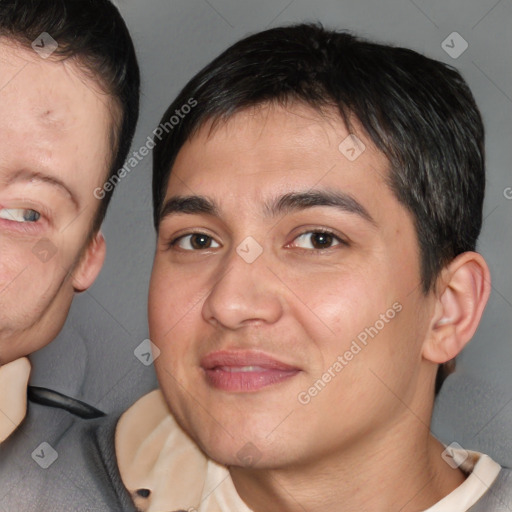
pixel 241 358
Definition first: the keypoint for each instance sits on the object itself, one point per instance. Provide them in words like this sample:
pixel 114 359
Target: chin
pixel 238 445
pixel 233 430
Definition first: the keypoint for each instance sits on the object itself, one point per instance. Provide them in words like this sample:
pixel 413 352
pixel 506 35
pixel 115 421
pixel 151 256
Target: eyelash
pixel 171 244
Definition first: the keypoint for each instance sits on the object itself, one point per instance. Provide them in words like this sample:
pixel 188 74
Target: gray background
pixel 93 358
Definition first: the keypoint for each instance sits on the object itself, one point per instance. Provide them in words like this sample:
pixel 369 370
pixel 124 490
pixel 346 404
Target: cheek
pixel 162 300
pixel 171 310
pixel 29 292
pixel 10 269
pixel 24 270
pixel 176 293
pixel 338 304
pixel 354 314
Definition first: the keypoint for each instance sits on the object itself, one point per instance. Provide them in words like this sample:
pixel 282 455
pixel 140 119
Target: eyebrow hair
pixel 189 204
pixel 301 200
pixel 27 175
pixel 292 201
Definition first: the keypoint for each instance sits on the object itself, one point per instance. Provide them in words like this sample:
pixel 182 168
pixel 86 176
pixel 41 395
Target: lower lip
pixel 248 381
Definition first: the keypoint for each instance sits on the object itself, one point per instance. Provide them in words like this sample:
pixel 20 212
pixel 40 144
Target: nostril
pixel 143 493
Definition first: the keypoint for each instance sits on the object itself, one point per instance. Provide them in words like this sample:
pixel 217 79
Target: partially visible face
pixel 54 150
pixel 277 254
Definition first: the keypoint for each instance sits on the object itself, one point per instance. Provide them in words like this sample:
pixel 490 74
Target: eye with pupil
pixel 19 215
pixel 31 216
pixel 200 241
pixel 195 241
pixel 320 240
pixel 317 240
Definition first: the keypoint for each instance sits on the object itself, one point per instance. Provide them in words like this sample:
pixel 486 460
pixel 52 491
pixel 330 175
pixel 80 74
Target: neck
pixel 399 470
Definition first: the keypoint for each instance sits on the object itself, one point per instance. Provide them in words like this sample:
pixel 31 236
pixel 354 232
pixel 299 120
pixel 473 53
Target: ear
pixel 90 264
pixel 461 295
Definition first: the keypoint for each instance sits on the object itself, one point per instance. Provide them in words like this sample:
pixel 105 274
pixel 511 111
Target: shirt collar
pixel 482 474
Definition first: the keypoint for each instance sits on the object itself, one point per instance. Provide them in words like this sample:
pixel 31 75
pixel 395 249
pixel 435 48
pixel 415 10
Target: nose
pixel 246 294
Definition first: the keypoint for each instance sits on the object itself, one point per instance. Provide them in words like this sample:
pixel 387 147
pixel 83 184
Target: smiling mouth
pixel 244 371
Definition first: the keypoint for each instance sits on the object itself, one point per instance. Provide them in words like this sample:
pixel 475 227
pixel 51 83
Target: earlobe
pixel 464 289
pixel 91 263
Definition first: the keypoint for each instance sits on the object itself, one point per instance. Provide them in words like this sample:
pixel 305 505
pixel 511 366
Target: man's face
pixel 266 281
pixel 54 150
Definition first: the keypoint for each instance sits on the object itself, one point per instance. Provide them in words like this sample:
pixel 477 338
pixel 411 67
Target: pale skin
pixel 363 443
pixel 54 150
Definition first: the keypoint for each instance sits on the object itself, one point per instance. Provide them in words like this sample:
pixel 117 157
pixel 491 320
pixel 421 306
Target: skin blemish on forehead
pixel 53 118
pixel 47 116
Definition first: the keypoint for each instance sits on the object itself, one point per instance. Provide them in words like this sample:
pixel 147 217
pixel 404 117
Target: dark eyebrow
pixel 188 204
pixel 302 200
pixel 27 175
pixel 196 205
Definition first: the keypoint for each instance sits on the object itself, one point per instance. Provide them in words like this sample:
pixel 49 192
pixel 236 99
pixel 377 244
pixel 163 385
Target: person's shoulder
pixel 94 451
pixel 59 461
pixel 153 451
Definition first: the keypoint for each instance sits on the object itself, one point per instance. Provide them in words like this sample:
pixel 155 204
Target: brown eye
pixel 196 242
pixel 200 241
pixel 316 240
pixel 321 240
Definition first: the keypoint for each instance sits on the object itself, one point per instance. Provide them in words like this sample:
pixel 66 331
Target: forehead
pixel 51 115
pixel 275 149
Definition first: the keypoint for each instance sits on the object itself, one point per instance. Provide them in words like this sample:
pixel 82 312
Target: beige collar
pixel 13 395
pixel 482 470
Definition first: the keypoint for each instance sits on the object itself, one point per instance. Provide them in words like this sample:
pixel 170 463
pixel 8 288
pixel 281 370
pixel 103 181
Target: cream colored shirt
pixel 155 454
pixel 13 395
